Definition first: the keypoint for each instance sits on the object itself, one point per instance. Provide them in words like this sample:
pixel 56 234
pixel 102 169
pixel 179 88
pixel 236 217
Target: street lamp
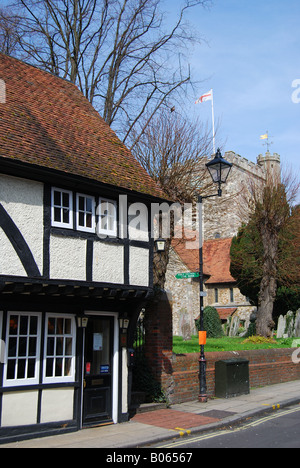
pixel 160 245
pixel 219 170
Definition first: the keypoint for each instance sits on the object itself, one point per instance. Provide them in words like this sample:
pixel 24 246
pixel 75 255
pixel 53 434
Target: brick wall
pixel 178 373
pixel 266 367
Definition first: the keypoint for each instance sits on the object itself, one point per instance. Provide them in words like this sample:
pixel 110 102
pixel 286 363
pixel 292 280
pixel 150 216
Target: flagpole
pixel 213 121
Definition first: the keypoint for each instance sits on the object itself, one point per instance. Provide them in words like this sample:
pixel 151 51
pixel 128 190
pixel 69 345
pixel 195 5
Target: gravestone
pixel 281 326
pixel 297 324
pixel 289 323
pixel 234 326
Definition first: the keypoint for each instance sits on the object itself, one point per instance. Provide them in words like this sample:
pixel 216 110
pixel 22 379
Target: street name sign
pixel 187 275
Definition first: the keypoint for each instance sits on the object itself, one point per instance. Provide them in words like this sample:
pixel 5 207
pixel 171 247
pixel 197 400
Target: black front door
pixel 97 393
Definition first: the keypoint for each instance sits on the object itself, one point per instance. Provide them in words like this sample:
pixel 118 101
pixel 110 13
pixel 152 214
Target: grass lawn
pixel 225 343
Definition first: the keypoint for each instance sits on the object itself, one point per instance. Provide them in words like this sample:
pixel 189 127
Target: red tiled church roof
pixel 46 121
pixel 216 259
pixel 224 312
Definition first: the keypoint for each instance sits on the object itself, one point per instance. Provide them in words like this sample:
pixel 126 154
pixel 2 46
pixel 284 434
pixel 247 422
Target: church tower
pixel 269 163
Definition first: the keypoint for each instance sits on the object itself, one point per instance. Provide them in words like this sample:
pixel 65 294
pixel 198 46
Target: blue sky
pixel 250 57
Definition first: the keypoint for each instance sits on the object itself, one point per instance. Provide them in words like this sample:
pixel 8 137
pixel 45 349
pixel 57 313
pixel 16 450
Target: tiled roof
pixel 216 259
pixel 224 312
pixel 46 121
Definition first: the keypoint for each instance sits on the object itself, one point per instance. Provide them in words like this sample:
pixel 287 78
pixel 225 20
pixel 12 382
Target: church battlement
pixel 258 169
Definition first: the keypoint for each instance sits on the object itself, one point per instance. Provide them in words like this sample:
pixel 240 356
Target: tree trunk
pixel 264 322
pixel 268 285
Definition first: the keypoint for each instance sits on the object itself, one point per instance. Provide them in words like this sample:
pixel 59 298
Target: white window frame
pixel 23 381
pixel 63 356
pixel 101 209
pixel 61 224
pixel 78 211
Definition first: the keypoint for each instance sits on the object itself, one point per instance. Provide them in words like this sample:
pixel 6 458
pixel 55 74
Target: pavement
pixel 180 420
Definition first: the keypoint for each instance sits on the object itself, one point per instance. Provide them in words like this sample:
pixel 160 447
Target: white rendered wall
pixel 19 408
pixel 23 201
pixel 139 266
pixel 67 258
pixel 108 263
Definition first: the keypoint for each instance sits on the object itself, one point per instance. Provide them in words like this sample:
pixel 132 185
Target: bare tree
pixel 8 32
pixel 173 151
pixel 270 211
pixel 120 53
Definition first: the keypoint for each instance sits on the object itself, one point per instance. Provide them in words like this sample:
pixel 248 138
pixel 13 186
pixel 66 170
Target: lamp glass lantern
pixel 160 245
pixel 124 323
pixel 219 168
pixel 82 322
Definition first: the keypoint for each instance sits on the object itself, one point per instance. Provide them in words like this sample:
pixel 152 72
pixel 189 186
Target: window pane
pixel 66 216
pixel 68 363
pixel 32 347
pixel 59 346
pixel 13 325
pixel 21 368
pixel 66 200
pixel 59 326
pixel 31 369
pixel 81 205
pixel 22 346
pixel 58 367
pixel 50 347
pixel 57 215
pixel 81 219
pixel 23 325
pixel 49 367
pixel 89 205
pixel 89 220
pixel 33 325
pixel 51 326
pixel 68 326
pixel 11 366
pixel 57 198
pixel 68 347
pixel 12 347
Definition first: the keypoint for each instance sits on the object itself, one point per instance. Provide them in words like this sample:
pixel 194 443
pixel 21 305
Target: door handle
pixel 84 383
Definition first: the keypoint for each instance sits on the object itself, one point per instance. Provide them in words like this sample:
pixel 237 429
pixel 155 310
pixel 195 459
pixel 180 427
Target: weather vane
pixel 266 137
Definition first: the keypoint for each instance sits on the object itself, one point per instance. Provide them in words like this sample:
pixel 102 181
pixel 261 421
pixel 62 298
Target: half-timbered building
pixel 74 274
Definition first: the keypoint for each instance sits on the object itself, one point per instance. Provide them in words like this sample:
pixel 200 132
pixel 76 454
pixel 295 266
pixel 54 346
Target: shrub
pixel 211 322
pixel 251 330
pixel 259 340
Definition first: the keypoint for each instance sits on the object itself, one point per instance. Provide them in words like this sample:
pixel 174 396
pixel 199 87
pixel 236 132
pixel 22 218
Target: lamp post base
pixel 202 377
pixel 202 398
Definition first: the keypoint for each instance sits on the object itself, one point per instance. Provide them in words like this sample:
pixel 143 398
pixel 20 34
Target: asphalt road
pixel 278 430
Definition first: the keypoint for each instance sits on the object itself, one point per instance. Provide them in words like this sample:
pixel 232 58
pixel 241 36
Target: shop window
pixel 59 361
pixel 85 213
pixel 23 349
pixel 62 208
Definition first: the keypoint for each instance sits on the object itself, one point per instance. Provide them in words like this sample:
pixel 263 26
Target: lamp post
pixel 219 170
